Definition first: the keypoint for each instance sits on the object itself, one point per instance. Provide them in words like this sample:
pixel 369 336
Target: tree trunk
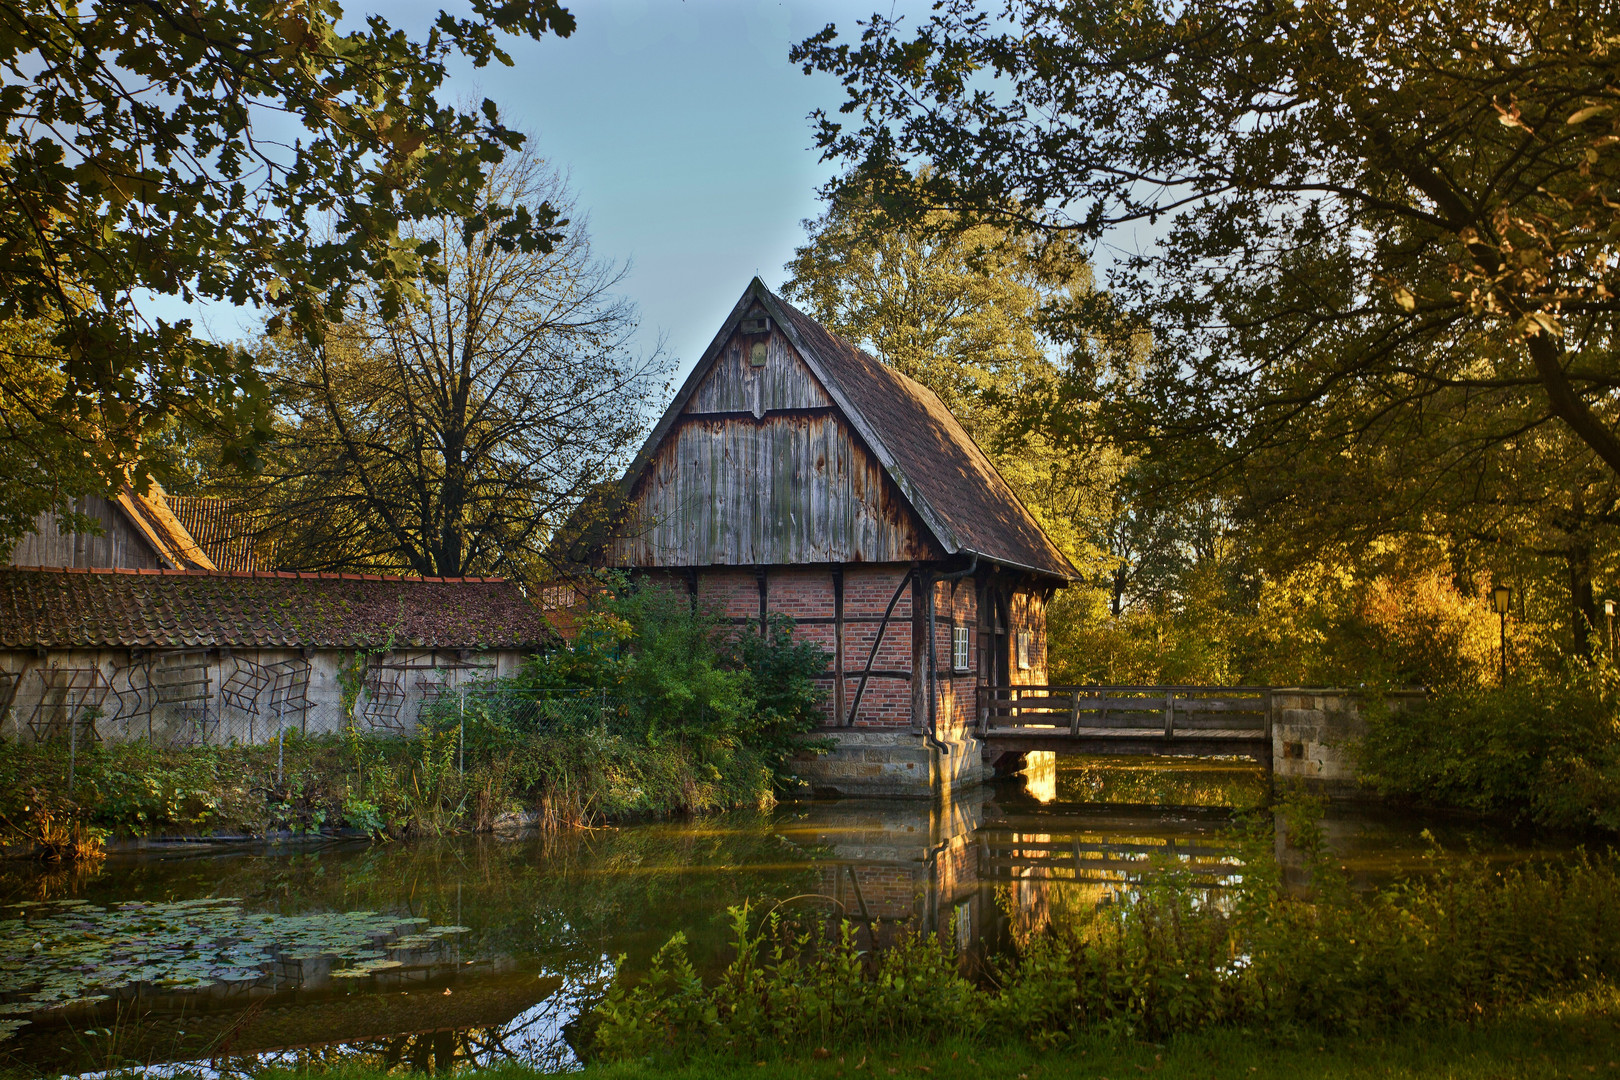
pixel 1578 558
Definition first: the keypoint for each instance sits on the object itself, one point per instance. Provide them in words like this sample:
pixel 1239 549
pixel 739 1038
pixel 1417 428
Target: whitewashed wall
pixel 127 711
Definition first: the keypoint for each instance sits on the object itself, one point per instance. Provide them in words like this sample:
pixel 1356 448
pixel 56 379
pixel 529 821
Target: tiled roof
pixel 55 607
pixel 940 465
pixel 220 528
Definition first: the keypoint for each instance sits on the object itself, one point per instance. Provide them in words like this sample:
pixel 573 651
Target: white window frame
pixel 1026 647
pixel 961 650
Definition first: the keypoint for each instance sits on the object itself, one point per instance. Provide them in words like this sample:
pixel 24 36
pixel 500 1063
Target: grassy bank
pixel 1465 942
pixel 1572 1034
pixel 383 786
pixel 685 715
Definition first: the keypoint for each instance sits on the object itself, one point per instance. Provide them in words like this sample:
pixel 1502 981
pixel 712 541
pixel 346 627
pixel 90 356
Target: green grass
pixel 1569 1035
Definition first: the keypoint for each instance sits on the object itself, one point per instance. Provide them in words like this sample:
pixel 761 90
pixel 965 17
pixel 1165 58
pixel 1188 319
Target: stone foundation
pixel 893 763
pixel 1313 734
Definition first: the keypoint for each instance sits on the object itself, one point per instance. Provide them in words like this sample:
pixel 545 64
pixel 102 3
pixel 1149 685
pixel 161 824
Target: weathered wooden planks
pixel 1128 720
pixel 761 470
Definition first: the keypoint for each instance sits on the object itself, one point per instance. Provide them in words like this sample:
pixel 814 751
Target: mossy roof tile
pixel 50 607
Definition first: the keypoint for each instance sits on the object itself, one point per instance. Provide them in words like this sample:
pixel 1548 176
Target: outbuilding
pixel 795 473
pixel 183 657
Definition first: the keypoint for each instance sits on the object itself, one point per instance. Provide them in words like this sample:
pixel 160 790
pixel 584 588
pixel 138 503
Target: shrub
pixel 1453 946
pixel 678 672
pixel 1543 750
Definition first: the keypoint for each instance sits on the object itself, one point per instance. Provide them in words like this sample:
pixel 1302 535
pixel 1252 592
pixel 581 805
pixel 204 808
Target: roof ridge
pixel 913 487
pixel 301 575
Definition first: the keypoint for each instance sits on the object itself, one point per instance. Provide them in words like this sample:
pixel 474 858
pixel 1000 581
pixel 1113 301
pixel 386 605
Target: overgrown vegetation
pixel 1460 944
pixel 1542 750
pixel 1568 1034
pixel 659 707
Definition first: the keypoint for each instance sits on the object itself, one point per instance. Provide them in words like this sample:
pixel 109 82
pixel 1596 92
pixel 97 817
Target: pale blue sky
pixel 683 127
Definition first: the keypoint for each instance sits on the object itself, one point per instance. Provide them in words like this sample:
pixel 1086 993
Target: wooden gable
pixel 760 467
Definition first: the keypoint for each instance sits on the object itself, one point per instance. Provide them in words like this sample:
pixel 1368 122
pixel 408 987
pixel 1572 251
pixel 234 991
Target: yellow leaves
pixel 1538 322
pixel 1404 297
pixel 1583 115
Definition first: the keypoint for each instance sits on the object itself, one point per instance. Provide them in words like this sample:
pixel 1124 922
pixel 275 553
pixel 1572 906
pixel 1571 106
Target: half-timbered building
pixel 795 473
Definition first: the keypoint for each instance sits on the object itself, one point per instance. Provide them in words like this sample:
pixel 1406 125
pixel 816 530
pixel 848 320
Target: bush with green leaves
pixel 1544 749
pixel 1457 944
pixel 677 671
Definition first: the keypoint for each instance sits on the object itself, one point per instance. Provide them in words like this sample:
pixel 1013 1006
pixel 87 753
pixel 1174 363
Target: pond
pixel 440 953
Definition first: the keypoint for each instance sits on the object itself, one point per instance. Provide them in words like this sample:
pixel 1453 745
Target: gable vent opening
pixel 756 324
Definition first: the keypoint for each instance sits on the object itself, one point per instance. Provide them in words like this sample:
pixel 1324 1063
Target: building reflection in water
pixel 984 870
pixel 979 872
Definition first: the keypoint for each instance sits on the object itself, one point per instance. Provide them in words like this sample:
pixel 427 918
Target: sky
pixel 684 129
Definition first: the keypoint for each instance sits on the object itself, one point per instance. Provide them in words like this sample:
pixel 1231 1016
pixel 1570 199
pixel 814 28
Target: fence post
pixel 73 748
pixel 1169 713
pixel 1074 712
pixel 461 729
pixel 281 738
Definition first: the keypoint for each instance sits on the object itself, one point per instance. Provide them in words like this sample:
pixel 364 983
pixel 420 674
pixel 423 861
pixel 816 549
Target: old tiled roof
pixel 58 607
pixel 939 466
pixel 220 528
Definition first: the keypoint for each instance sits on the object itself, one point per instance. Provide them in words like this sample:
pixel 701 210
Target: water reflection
pixel 544 919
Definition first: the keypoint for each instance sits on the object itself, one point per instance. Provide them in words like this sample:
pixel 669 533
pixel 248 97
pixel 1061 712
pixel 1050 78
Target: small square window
pixel 959 648
pixel 1025 644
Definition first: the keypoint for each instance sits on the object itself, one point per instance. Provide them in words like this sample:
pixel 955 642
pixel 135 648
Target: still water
pixel 437 954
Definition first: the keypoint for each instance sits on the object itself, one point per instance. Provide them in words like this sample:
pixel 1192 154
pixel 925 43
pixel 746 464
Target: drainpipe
pixel 932 738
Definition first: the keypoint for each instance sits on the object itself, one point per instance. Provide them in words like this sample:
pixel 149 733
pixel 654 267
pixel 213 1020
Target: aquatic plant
pixel 57 955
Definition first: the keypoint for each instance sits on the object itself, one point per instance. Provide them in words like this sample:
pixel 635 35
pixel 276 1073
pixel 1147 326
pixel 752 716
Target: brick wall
pixel 1028 612
pixel 805 593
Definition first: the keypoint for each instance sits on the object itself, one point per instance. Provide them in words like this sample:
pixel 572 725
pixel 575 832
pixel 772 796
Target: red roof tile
pixel 57 607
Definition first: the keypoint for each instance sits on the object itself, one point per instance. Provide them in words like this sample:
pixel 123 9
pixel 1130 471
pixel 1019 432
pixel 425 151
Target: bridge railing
pixel 1168 712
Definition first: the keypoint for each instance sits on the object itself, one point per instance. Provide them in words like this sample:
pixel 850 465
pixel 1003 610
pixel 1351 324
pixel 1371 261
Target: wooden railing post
pixel 986 697
pixel 1074 712
pixel 1169 713
pixel 1270 762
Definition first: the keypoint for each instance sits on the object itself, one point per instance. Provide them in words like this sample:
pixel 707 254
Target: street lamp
pixel 1501 601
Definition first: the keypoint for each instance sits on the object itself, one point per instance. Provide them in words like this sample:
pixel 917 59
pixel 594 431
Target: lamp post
pixel 1608 609
pixel 1501 601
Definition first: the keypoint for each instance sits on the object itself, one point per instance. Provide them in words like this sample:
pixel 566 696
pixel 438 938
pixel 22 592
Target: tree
pixel 1381 235
pixel 451 436
pixel 247 151
pixel 965 313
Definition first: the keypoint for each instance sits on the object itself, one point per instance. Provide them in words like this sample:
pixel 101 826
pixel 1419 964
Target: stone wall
pixel 893 763
pixel 1312 736
pixel 124 704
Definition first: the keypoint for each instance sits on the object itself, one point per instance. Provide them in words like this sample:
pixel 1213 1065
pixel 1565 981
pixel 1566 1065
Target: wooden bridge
pixel 1186 721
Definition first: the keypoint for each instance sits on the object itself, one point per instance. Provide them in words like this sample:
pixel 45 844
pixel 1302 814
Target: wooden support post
pixel 1169 713
pixel 986 696
pixel 839 711
pixel 762 575
pixel 1074 711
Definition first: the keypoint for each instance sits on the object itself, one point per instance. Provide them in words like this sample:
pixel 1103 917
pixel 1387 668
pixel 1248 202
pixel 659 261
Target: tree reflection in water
pixel 546 918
